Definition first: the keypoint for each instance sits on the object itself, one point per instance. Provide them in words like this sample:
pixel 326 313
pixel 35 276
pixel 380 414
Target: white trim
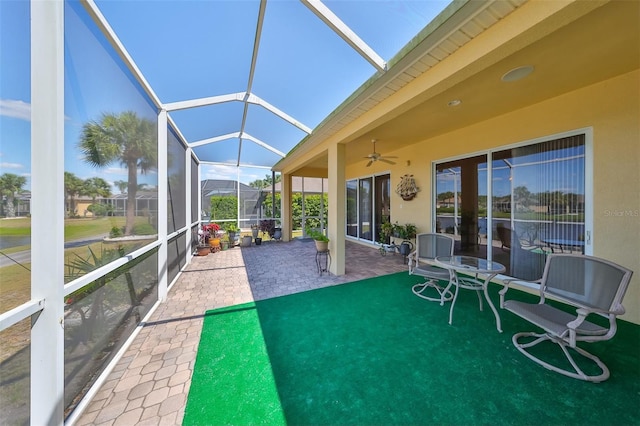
pixel 47 211
pixel 163 180
pixel 214 139
pixel 17 314
pixel 216 163
pixel 345 33
pixel 200 102
pixel 90 277
pixel 253 99
pixel 262 144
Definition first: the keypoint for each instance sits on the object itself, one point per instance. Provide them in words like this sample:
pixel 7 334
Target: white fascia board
pixel 263 144
pixel 212 100
pixel 345 33
pixel 214 139
pixel 108 32
pixel 253 99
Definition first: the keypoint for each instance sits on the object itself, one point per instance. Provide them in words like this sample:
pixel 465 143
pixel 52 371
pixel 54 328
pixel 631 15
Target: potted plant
pixel 322 241
pixel 214 238
pixel 397 230
pixel 203 248
pixel 410 231
pixel 254 231
pixel 406 232
pixel 246 241
pixel 231 228
pixel 386 229
pixel 268 226
pixel 277 233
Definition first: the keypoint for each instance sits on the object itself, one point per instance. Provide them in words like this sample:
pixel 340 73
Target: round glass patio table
pixel 464 272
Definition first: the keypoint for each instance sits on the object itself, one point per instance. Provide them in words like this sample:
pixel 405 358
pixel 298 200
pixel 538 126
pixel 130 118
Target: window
pixel 538 197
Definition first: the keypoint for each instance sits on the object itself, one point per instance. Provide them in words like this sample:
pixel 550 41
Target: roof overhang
pixel 462 55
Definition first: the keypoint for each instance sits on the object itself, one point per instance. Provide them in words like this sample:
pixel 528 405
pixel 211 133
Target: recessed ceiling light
pixel 517 73
pixel 454 102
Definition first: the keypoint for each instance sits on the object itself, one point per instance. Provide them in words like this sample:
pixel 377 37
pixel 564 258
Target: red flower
pixel 213 228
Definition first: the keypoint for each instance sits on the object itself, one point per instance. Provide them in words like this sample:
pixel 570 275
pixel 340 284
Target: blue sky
pixel 194 49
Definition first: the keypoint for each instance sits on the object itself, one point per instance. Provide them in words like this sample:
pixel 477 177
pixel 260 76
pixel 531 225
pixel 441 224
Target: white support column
pixel 47 211
pixel 187 200
pixel 285 212
pixel 162 206
pixel 337 208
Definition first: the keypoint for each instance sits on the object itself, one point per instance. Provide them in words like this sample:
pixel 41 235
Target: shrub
pixel 144 229
pixel 116 232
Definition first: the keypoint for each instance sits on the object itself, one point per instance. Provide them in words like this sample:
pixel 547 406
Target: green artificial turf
pixel 372 353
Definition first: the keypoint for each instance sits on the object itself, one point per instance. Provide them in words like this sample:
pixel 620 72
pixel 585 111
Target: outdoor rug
pixel 372 353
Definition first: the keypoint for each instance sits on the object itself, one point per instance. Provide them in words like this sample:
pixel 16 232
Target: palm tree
pixel 96 186
pixel 121 185
pixel 125 138
pixel 73 186
pixel 10 185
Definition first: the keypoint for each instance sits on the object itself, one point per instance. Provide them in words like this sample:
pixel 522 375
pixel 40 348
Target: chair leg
pixel 444 292
pixel 578 374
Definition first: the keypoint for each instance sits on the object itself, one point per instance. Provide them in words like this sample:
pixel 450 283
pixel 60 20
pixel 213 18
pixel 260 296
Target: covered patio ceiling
pixel 582 48
pixel 245 81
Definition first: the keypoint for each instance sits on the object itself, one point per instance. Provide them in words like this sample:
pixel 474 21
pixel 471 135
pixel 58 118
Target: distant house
pixel 299 184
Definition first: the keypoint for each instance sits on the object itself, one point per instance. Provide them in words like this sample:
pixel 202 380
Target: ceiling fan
pixel 374 156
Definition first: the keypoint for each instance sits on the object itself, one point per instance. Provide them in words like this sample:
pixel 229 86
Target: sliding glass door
pixel 538 197
pixel 368 205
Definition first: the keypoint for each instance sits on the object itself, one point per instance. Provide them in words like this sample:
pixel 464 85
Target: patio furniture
pixel 590 286
pixel 464 272
pixel 421 262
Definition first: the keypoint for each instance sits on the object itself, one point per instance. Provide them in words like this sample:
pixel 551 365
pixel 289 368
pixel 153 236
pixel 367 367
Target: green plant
pixel 115 232
pixel 230 226
pixel 410 231
pixel 316 235
pixel 397 230
pixel 386 229
pixel 268 226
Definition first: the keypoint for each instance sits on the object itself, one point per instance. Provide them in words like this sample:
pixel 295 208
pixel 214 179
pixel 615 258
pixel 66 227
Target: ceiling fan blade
pixel 390 156
pixel 384 160
pixel 369 163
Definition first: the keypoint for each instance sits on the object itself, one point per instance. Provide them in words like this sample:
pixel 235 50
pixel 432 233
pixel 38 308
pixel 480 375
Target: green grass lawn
pixel 74 229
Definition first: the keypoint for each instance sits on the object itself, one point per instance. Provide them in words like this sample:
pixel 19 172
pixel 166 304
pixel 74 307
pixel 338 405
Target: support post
pixel 162 206
pixel 285 198
pixel 337 208
pixel 47 211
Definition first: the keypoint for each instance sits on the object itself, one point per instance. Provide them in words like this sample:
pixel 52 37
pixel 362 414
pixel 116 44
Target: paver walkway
pixel 150 383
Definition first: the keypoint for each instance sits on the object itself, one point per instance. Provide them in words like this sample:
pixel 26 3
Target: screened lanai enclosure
pixel 148 105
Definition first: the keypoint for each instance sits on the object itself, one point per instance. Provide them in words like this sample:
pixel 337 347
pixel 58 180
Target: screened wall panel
pixel 110 143
pixel 176 255
pixel 15 368
pixel 176 213
pixel 195 189
pixel 100 317
pixel 15 152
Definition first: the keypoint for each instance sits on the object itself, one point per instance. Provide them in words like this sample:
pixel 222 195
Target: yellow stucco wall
pixel 611 108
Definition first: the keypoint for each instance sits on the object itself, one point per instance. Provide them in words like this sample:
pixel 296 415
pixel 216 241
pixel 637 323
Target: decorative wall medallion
pixel 407 188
